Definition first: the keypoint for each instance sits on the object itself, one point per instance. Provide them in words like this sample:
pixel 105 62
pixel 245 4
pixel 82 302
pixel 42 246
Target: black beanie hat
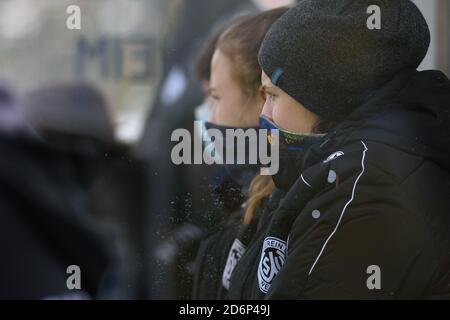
pixel 323 54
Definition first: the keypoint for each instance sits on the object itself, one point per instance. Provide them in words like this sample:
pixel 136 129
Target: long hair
pixel 241 43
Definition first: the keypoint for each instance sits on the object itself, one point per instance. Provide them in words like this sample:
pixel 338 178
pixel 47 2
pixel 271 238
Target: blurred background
pixel 101 103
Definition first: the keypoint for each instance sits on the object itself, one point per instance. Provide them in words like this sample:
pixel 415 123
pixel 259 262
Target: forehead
pixel 220 69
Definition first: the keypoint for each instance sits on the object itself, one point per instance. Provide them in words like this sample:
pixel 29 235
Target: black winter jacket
pixel 211 260
pixel 369 216
pixel 221 251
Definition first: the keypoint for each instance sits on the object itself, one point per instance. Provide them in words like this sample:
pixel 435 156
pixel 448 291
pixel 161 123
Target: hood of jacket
pixel 410 113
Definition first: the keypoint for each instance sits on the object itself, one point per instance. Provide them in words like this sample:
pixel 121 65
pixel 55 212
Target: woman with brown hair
pixel 237 100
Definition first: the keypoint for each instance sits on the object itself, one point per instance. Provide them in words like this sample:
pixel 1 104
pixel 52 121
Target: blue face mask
pixel 242 174
pixel 289 140
pixel 293 147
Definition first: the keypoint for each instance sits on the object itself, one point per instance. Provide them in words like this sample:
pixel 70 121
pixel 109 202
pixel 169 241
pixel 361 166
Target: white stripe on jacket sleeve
pixel 343 210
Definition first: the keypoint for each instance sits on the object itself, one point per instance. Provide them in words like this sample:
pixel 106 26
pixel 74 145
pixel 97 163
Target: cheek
pixel 282 115
pixel 295 118
pixel 219 111
pixel 228 112
pixel 251 114
pixel 212 116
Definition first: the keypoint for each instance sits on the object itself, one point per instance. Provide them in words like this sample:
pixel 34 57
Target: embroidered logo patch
pixel 273 257
pixel 236 252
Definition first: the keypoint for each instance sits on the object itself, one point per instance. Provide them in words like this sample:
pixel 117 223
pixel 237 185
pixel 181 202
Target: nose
pixel 268 110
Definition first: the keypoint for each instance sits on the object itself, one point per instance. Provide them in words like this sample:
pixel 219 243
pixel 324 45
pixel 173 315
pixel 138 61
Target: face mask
pixel 289 140
pixel 242 174
pixel 202 114
pixel 293 147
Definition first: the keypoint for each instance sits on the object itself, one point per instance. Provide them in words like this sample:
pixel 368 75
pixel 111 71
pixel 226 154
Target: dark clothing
pixel 221 252
pixel 44 227
pixel 183 192
pixel 372 203
pixel 211 260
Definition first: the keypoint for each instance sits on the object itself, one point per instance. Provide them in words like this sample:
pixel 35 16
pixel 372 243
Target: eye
pixel 270 97
pixel 215 97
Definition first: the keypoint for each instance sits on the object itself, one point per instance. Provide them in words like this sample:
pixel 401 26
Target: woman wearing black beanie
pixel 367 210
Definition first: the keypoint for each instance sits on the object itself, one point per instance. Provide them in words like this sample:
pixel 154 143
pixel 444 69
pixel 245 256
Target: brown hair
pixel 260 188
pixel 241 43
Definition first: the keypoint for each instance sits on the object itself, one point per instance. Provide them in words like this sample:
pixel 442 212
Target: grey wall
pixel 437 13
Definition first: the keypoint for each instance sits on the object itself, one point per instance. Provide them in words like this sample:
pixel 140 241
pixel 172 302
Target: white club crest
pixel 273 257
